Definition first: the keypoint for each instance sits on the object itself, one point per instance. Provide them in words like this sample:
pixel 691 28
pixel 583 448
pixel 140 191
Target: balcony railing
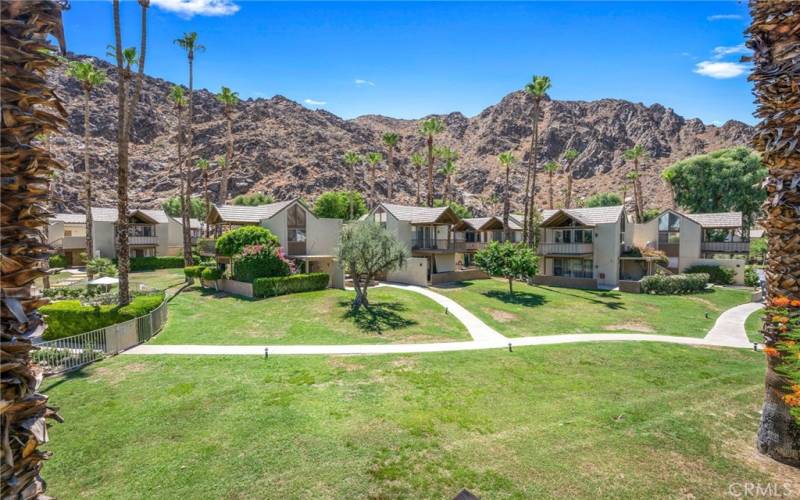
pixel 469 246
pixel 142 240
pixel 432 244
pixel 726 246
pixel 565 248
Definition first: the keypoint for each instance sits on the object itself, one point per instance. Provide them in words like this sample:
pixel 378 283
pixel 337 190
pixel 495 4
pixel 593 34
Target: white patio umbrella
pixel 105 280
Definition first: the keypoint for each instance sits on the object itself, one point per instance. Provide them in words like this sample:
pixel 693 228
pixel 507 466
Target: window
pixel 669 229
pixel 68 232
pixel 583 236
pixel 297 235
pixel 572 268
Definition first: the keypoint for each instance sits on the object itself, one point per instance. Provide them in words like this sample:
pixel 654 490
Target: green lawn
pixel 323 317
pixel 634 420
pixel 542 310
pixel 160 279
pixel 753 327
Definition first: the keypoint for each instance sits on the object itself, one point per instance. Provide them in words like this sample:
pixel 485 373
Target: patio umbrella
pixel 105 280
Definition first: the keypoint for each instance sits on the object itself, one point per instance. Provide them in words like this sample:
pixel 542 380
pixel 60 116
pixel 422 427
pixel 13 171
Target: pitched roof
pixel 237 214
pixel 718 220
pixel 195 223
pixel 102 214
pixel 419 215
pixel 588 216
pixel 481 223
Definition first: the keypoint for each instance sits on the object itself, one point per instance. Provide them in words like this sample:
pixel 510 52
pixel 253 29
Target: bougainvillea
pixel 782 338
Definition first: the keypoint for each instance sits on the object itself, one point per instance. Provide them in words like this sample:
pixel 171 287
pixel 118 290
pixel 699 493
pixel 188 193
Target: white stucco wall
pixel 606 245
pixel 55 231
pixel 103 239
pixel 323 235
pixel 689 249
pixel 414 272
pixel 736 264
pixel 445 263
pixel 644 233
pixel 277 224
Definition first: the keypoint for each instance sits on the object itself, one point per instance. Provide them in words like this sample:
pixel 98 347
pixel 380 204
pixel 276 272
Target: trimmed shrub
pixel 69 317
pixel 211 274
pixel 282 285
pixel 233 242
pixel 675 284
pixel 258 261
pixel 717 274
pixel 193 271
pixel 101 266
pixel 57 261
pixel 154 263
pixel 750 276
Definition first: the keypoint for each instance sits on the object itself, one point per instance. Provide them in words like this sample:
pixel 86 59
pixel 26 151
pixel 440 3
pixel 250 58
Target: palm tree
pixel 351 158
pixel 569 155
pixel 188 42
pixel 773 39
pixel 550 167
pixel 229 99
pixel 372 159
pixel 506 160
pixel 448 157
pixel 178 97
pixel 634 154
pixel 89 78
pixel 633 177
pixel 429 128
pixel 126 110
pixel 390 140
pixel 668 176
pixel 26 28
pixel 418 160
pixel 203 165
pixel 537 88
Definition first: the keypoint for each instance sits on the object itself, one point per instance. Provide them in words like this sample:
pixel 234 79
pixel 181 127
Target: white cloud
pixel 724 17
pixel 719 69
pixel 361 83
pixel 314 102
pixel 191 8
pixel 720 52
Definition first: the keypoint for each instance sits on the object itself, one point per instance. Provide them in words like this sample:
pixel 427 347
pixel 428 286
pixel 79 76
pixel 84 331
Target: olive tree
pixel 507 260
pixel 366 249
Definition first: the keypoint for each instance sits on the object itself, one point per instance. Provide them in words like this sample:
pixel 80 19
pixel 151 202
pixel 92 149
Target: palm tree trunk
pixel 419 186
pixel 87 179
pixel 123 261
pixel 568 197
pixel 637 191
pixel 23 214
pixel 223 188
pixel 550 189
pixel 507 206
pixel 774 40
pixel 531 173
pixel 352 191
pixel 371 186
pixel 390 173
pixel 205 191
pixel 430 170
pixel 187 194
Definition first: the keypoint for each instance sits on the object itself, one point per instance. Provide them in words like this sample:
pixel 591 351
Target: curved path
pixel 728 331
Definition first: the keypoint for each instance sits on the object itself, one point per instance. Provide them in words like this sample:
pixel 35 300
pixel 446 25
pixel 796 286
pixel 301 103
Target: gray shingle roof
pixel 718 220
pixel 158 215
pixel 102 214
pixel 415 215
pixel 249 215
pixel 588 216
pixel 478 222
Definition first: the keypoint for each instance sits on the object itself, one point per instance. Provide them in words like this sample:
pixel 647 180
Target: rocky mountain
pixel 285 149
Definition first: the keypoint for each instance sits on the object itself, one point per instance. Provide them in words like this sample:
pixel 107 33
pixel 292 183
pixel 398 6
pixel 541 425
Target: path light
pixel 509 347
pixel 755 346
pixel 445 310
pixel 266 353
pixel 706 314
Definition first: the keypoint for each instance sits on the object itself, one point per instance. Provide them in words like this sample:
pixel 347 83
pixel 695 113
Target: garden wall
pixel 234 287
pixel 736 264
pixel 586 283
pixel 630 286
pixel 467 274
pixel 413 272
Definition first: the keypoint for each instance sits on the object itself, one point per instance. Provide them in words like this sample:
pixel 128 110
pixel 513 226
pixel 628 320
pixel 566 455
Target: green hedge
pixel 57 261
pixel 262 265
pixel 193 271
pixel 750 276
pixel 68 317
pixel 282 285
pixel 211 274
pixel 716 274
pixel 153 263
pixel 674 284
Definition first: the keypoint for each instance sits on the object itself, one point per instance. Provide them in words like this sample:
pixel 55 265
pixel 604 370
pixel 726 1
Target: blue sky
pixel 411 59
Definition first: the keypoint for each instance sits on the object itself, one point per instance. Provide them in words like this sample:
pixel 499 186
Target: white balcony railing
pixel 142 240
pixel 565 248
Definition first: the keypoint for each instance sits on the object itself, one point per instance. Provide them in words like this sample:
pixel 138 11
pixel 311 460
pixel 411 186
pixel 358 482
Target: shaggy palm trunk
pixel 550 189
pixel 205 191
pixel 530 190
pixel 775 41
pixel 30 108
pixel 637 191
pixel 419 186
pixel 507 206
pixel 430 171
pixel 371 186
pixel 87 179
pixel 568 195
pixel 187 232
pixel 223 187
pixel 390 174
pixel 352 191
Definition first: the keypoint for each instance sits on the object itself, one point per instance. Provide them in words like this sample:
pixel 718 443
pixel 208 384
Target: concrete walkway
pixel 729 327
pixel 728 331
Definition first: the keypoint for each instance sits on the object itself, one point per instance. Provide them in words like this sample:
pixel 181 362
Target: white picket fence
pixel 69 353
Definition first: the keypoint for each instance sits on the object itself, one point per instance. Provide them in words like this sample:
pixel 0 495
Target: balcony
pixel 432 244
pixel 141 234
pixel 565 248
pixel 469 246
pixel 142 240
pixel 726 246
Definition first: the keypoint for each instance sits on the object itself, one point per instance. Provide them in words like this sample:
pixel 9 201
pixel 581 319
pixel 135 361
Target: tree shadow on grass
pixel 614 303
pixel 380 317
pixel 526 299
